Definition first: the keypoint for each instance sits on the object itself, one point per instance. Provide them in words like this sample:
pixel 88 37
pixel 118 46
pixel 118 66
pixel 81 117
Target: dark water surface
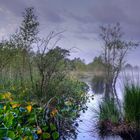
pixel 87 128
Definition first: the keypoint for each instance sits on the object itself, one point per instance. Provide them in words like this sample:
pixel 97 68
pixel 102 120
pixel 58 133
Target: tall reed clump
pixel 108 111
pixel 132 104
pixel 108 116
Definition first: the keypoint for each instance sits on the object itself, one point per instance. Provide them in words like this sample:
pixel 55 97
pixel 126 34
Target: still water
pixel 87 125
pixel 88 120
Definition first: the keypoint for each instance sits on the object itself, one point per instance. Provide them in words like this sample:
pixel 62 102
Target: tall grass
pixel 108 111
pixel 132 103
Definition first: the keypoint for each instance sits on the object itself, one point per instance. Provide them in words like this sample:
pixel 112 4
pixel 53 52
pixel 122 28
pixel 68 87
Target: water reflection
pixel 97 84
pixel 87 127
pixel 88 120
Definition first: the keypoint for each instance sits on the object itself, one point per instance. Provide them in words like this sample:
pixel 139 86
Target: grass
pixel 108 111
pixel 108 116
pixel 132 103
pixel 128 127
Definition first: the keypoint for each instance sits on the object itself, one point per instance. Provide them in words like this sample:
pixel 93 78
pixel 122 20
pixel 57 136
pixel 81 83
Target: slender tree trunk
pixel 115 92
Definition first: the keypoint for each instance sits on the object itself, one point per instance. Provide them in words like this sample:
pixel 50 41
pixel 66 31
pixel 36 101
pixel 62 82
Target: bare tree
pixel 115 50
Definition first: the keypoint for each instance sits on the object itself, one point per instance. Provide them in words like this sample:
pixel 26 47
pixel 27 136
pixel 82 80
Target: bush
pixel 132 103
pixel 51 121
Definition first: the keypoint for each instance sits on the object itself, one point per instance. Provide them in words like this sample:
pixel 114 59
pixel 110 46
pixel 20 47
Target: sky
pixel 79 19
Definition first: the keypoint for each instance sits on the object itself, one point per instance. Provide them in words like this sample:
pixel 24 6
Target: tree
pixel 52 65
pixel 115 50
pixel 29 28
pixel 79 64
pixel 25 38
pixel 96 65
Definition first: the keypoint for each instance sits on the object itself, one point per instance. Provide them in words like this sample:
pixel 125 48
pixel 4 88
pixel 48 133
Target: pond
pixel 88 120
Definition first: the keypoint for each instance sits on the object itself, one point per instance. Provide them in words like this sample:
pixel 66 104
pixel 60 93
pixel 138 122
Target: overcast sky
pixel 80 19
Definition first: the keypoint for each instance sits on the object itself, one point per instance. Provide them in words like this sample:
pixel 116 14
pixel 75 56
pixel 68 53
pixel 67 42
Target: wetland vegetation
pixel 43 94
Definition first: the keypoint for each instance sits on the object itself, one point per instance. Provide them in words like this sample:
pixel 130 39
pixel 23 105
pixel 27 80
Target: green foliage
pixel 132 103
pixel 24 121
pixel 108 111
pixel 79 64
pixel 53 67
pixel 29 28
pixel 71 95
pixel 55 135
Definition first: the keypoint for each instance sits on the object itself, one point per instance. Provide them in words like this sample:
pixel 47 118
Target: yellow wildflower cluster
pixel 7 95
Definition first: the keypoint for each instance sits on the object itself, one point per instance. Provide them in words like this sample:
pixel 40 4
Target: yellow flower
pixel 29 108
pixel 39 131
pixel 54 112
pixel 7 95
pixel 15 105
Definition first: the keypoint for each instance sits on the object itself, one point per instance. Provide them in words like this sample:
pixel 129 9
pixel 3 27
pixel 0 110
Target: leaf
pixel 3 132
pixel 1 96
pixel 45 128
pixel 8 120
pixel 46 136
pixel 52 126
pixel 55 135
pixel 11 134
pixel 4 107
